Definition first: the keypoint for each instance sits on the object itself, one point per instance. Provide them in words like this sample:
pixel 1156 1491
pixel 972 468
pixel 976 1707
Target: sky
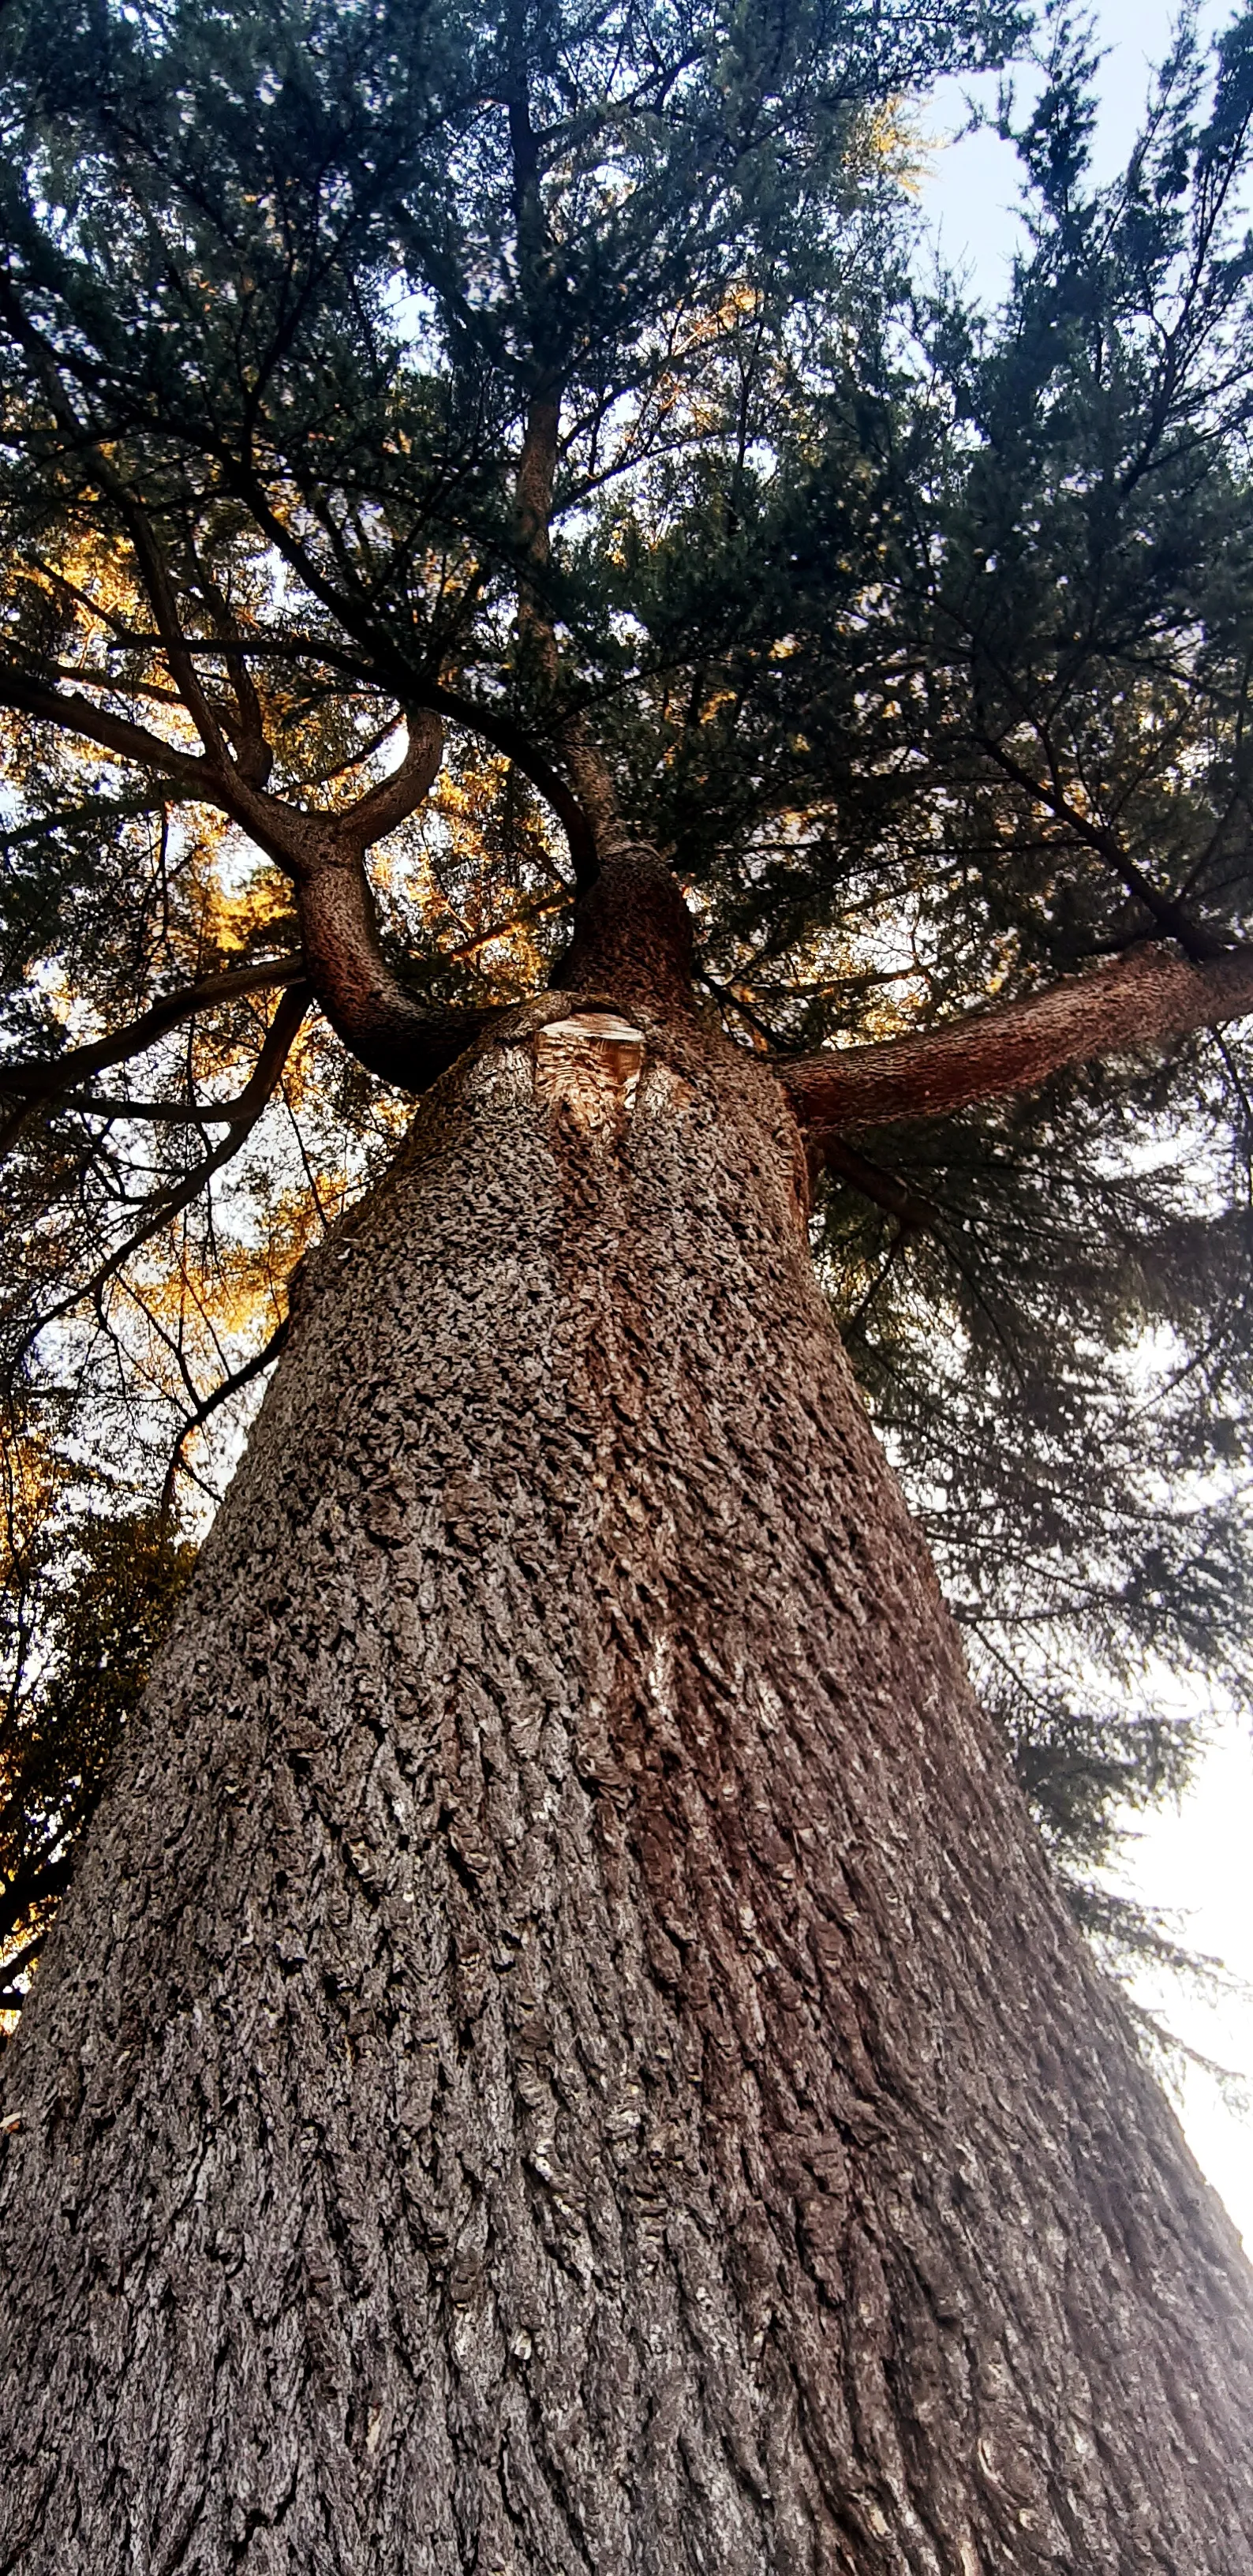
pixel 1195 1862
pixel 969 189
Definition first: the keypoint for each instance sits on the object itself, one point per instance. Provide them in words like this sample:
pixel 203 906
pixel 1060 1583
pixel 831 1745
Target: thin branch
pixel 1169 916
pixel 170 1202
pixel 33 1080
pixel 208 1406
pixel 31 1885
pixel 153 570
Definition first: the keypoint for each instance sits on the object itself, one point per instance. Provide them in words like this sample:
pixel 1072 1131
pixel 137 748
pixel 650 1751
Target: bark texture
pixel 1144 999
pixel 562 2057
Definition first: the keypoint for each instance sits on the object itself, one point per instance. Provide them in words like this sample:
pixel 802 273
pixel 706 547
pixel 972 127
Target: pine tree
pixel 563 2048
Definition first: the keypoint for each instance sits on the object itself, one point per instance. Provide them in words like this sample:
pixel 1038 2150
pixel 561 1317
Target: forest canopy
pixel 395 400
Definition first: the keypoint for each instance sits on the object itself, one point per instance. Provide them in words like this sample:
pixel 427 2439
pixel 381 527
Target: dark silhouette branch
pixel 38 1883
pixel 12 1997
pixel 209 1405
pixel 1169 916
pixel 367 1004
pixel 533 503
pixel 1144 999
pixel 32 696
pixel 415 690
pixel 913 1214
pixel 169 1202
pixel 154 1113
pixel 34 1080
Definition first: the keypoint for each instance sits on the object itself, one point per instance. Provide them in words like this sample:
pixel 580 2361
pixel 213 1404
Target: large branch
pixel 1143 999
pixel 470 715
pixel 406 787
pixel 384 1025
pixel 31 696
pixel 387 1028
pixel 288 834
pixel 364 1000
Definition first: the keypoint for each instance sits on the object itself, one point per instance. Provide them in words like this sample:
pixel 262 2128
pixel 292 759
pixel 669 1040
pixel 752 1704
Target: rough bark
pixel 563 2054
pixel 1143 999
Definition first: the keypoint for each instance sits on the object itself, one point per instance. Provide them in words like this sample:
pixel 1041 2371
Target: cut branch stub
pixel 588 1067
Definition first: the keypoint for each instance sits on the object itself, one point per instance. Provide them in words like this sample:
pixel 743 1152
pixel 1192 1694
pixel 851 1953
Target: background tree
pixel 81 1628
pixel 547 397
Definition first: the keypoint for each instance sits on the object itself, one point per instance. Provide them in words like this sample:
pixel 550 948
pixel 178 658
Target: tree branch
pixel 398 796
pixel 209 1404
pixel 12 1998
pixel 414 690
pixel 168 1203
pixel 1170 917
pixel 1143 999
pixel 914 1215
pixel 366 1002
pixel 226 1113
pixel 33 1080
pixel 386 1026
pixel 533 502
pixel 34 1884
pixel 33 697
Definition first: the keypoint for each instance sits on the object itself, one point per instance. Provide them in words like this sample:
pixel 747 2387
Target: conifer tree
pixel 563 2048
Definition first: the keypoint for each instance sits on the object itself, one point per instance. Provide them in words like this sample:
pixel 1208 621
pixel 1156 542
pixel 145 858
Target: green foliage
pixel 82 1612
pixel 921 639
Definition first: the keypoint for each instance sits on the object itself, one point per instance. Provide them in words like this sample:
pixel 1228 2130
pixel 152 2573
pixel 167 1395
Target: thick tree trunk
pixel 562 2054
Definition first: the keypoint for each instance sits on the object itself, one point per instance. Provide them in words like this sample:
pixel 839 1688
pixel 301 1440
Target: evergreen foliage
pixel 82 1612
pixel 921 640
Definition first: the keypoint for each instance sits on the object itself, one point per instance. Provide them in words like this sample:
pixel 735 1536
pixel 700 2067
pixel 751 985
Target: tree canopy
pixel 425 432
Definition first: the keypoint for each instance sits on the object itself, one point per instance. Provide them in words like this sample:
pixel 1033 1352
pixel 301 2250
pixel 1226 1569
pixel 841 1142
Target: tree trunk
pixel 562 2054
